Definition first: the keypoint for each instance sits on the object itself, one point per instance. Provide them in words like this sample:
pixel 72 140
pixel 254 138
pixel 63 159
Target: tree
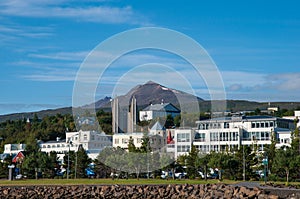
pixel 218 161
pixel 145 145
pixel 192 170
pixel 202 163
pixel 131 146
pixel 82 161
pixel 169 121
pixel 285 159
pixel 177 120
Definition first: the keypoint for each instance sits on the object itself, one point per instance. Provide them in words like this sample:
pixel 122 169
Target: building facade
pixel 92 141
pixel 228 133
pixel 154 111
pixel 124 116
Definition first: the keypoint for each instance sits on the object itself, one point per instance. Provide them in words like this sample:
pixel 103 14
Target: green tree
pixel 131 146
pixel 218 161
pixel 145 145
pixel 202 163
pixel 287 160
pixel 192 170
pixel 81 162
pixel 169 121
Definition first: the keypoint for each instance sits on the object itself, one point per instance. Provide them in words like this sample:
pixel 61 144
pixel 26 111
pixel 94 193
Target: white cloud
pixel 63 9
pixel 67 56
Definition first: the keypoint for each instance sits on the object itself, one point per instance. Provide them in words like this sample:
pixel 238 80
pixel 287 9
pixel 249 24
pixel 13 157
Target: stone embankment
pixel 138 191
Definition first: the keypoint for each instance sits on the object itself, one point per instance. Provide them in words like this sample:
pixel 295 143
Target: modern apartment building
pixel 220 134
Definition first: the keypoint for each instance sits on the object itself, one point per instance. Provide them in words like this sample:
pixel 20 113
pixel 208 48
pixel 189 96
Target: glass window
pixel 252 125
pixel 226 125
pixel 116 141
pixel 257 125
pixel 267 124
pixel 124 141
pixel 85 137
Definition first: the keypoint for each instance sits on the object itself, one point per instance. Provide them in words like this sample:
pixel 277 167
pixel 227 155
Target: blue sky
pixel 255 45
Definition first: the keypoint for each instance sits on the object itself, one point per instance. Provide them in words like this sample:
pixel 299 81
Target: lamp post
pixel 241 143
pixel 148 149
pixel 244 164
pixel 69 143
pixel 76 163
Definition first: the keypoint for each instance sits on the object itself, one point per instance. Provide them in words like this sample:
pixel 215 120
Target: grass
pixel 29 182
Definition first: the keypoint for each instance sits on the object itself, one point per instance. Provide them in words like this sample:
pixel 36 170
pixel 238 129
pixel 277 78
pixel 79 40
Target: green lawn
pixel 106 181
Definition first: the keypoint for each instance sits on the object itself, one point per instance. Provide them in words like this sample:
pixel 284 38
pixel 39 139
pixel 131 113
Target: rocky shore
pixel 140 191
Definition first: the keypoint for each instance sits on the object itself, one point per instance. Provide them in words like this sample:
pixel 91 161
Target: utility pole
pixel 244 164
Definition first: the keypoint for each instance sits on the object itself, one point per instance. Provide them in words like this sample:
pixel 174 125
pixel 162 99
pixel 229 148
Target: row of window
pixel 217 148
pixel 206 126
pixel 85 137
pixel 259 136
pixel 224 136
pixel 57 146
pixel 183 148
pixel 183 137
pixel 264 124
pixel 225 125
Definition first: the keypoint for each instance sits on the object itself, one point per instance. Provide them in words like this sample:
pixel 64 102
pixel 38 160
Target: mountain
pixel 99 104
pixel 152 92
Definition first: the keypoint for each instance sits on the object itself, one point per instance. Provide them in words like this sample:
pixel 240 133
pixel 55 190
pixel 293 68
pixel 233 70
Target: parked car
pixel 19 177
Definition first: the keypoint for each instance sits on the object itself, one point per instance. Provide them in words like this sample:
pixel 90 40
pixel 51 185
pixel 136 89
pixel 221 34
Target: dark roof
pixel 167 107
pixel 240 118
pixel 157 126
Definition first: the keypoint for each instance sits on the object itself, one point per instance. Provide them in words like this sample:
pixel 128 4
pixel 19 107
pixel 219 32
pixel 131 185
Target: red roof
pixel 169 138
pixel 18 157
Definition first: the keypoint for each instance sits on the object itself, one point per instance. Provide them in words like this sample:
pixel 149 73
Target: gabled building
pixel 154 111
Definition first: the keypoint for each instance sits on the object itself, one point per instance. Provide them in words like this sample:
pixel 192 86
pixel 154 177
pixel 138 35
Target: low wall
pixel 136 191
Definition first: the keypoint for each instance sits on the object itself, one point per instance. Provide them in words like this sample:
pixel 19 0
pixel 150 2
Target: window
pixel 93 137
pixel 183 148
pixel 85 137
pixel 183 137
pixel 267 124
pixel 262 125
pixel 252 125
pixel 116 141
pixel 124 141
pixel 226 125
pixel 214 136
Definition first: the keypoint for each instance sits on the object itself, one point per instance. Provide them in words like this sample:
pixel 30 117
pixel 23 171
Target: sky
pixel 254 44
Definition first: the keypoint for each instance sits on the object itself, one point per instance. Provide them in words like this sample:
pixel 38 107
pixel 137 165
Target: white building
pixel 296 116
pixel 93 142
pixel 157 138
pixel 158 110
pixel 183 141
pixel 227 133
pixel 13 148
pixel 122 139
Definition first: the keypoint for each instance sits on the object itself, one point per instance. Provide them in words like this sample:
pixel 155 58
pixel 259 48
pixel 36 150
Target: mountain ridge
pixel 152 92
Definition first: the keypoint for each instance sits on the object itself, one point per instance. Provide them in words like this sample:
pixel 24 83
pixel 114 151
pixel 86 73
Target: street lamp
pixel 244 164
pixel 241 143
pixel 69 143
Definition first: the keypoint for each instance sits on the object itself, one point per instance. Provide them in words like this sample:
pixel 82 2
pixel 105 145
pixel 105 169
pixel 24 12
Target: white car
pixel 19 177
